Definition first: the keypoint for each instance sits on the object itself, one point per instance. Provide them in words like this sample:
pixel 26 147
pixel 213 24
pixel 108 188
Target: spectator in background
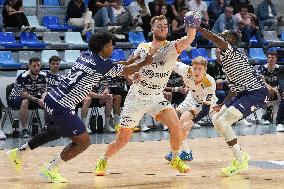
pixel 177 7
pixel 215 9
pixel 141 15
pixel 237 4
pixel 103 13
pixel 267 15
pixel 199 5
pixel 122 16
pixel 178 26
pixel 270 73
pixel 51 75
pixel 2 135
pixel 226 21
pixel 14 16
pixel 247 25
pixel 27 92
pixel 79 16
pixel 155 8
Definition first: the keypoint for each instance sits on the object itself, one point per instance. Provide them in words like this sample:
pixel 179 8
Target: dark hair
pixel 54 59
pixel 231 37
pixel 34 59
pixel 272 53
pixel 98 41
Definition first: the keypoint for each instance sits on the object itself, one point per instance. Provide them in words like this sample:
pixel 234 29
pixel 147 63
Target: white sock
pixel 54 162
pixel 24 148
pixel 237 152
pixel 116 119
pixel 84 121
pixel 175 153
pixel 185 147
pixel 107 119
pixel 104 157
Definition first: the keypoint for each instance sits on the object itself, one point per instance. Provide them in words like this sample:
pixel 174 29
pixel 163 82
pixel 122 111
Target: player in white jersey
pixel 146 94
pixel 198 101
pixel 251 94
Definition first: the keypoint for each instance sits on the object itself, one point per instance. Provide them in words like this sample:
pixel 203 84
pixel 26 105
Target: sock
pixel 104 157
pixel 84 121
pixel 175 153
pixel 54 162
pixel 24 148
pixel 116 119
pixel 185 147
pixel 237 152
pixel 107 119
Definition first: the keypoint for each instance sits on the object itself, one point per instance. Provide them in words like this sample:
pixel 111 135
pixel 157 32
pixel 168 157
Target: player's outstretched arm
pixel 130 60
pixel 219 42
pixel 135 67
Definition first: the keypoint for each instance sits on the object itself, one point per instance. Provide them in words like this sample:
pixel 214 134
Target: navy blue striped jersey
pixel 240 74
pixel 24 82
pixel 271 78
pixel 52 80
pixel 84 75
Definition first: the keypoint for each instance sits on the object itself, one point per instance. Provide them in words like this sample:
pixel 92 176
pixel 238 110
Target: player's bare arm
pixel 135 67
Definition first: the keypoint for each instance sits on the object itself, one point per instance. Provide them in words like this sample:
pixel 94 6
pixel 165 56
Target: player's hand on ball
pixel 192 19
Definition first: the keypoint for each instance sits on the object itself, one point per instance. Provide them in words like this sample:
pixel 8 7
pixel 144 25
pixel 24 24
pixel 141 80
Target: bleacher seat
pixel 170 2
pixel 118 55
pixel 46 54
pixel 50 3
pixel 257 54
pixel 25 56
pixel 29 3
pixel 213 54
pixel 53 23
pixel 86 3
pixel 7 61
pixel 136 37
pixel 200 52
pixel 253 41
pixel 52 39
pixel 33 21
pixel 70 56
pixel 75 39
pixel 127 2
pixel 30 39
pixel 7 39
pixel 88 36
pixel 282 35
pixel 184 58
pixel 2 2
pixel 272 38
pixel 242 50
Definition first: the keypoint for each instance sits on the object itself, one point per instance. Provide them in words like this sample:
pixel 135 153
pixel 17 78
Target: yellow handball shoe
pixel 235 167
pixel 51 175
pixel 15 159
pixel 178 164
pixel 101 167
pixel 117 127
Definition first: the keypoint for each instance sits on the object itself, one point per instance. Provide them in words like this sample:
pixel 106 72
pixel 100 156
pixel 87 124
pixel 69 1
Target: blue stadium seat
pixel 7 39
pixel 253 41
pixel 53 23
pixel 88 36
pixel 2 2
pixel 30 39
pixel 118 55
pixel 7 61
pixel 136 37
pixel 127 2
pixel 86 3
pixel 184 58
pixel 257 54
pixel 200 52
pixel 170 2
pixel 51 3
pixel 282 35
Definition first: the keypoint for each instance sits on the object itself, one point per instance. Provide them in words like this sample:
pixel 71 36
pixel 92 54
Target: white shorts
pixel 134 109
pixel 188 104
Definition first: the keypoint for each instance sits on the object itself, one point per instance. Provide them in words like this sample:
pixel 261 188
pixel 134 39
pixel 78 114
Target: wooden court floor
pixel 142 165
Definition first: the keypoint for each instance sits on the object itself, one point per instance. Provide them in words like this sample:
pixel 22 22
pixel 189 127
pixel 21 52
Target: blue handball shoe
pixel 183 156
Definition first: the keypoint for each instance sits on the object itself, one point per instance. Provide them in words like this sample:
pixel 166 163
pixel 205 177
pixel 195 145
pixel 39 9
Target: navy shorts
pixel 62 120
pixel 249 101
pixel 15 103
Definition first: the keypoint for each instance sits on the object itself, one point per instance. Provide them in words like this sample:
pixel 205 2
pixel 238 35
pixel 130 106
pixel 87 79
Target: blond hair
pixel 157 18
pixel 200 60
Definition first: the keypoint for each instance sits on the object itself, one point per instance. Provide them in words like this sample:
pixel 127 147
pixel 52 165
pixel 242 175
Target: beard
pixel 160 38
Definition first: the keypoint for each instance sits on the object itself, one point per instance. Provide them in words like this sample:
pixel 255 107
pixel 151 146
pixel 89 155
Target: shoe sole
pixel 100 174
pixel 48 180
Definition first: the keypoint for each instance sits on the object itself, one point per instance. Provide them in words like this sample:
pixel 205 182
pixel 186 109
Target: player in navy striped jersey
pixel 251 94
pixel 28 89
pixel 52 76
pixel 60 102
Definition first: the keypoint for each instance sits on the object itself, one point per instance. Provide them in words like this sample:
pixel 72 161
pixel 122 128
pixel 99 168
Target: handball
pixel 192 19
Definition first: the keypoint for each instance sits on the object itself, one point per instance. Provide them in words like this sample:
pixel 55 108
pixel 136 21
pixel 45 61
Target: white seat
pixel 70 56
pixel 25 56
pixel 19 72
pixel 74 39
pixel 46 54
pixel 29 3
pixel 213 54
pixel 33 21
pixel 51 37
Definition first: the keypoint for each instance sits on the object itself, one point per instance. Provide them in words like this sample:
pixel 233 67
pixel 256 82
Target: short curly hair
pixel 98 41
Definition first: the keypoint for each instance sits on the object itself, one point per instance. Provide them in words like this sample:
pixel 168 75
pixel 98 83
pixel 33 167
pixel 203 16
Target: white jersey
pixel 154 77
pixel 204 92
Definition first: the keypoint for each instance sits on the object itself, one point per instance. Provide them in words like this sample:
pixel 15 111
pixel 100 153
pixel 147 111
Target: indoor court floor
pixel 141 163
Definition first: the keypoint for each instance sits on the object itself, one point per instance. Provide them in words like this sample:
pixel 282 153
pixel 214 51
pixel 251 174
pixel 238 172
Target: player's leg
pixel 108 102
pixel 84 111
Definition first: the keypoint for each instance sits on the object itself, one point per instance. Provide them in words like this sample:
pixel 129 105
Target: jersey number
pixel 73 76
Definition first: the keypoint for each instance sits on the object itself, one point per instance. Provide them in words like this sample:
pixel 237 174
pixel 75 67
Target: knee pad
pixel 230 116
